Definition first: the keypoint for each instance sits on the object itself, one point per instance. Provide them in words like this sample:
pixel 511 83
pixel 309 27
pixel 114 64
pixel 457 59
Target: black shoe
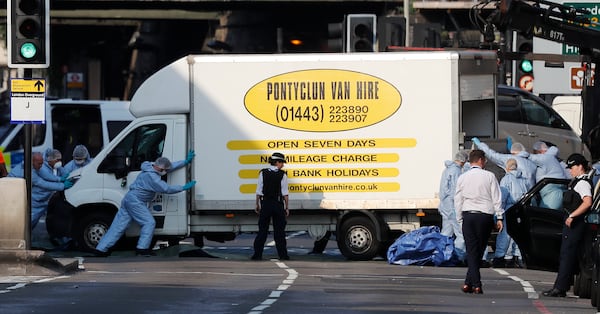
pixel 286 258
pixel 256 258
pixel 510 263
pixel 144 252
pixel 555 293
pixel 477 290
pixel 99 253
pixel 498 262
pixel 518 262
pixel 484 264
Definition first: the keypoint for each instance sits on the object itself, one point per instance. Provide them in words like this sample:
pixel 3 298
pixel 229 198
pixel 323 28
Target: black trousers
pixel 275 210
pixel 476 231
pixel 571 238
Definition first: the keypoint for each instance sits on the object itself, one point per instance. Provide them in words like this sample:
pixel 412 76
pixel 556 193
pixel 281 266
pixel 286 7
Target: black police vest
pixel 572 199
pixel 272 184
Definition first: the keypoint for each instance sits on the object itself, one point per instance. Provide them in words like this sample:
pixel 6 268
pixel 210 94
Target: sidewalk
pixel 35 262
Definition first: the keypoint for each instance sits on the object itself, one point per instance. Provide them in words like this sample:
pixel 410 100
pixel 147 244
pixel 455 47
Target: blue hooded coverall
pixel 41 191
pixel 512 186
pixel 528 168
pixel 549 167
pixel 135 206
pixel 450 225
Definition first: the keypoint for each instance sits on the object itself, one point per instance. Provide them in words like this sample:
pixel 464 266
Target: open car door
pixel 537 229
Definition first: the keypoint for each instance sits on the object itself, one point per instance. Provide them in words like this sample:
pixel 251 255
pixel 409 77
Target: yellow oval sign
pixel 322 100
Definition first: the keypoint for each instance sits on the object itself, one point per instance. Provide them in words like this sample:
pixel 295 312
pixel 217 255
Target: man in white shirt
pixel 477 201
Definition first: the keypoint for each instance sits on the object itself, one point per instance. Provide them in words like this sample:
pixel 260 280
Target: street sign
pixel 526 82
pixel 578 77
pixel 74 80
pixel 27 101
pixel 594 9
pixel 557 78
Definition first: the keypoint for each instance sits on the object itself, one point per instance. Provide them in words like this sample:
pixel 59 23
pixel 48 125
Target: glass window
pixel 539 114
pixel 550 196
pixel 38 132
pixel 142 144
pixel 74 125
pixel 115 127
pixel 509 109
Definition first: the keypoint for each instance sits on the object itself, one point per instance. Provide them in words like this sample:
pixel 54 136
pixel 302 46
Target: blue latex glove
pixel 190 156
pixel 508 143
pixel 189 185
pixel 68 184
pixel 64 177
pixel 476 141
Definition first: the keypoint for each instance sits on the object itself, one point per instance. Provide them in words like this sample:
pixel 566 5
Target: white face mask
pixel 79 162
pixel 162 173
pixel 58 164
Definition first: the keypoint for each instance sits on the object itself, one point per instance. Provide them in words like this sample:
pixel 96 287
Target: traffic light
pixel 524 66
pixel 361 33
pixel 335 37
pixel 28 28
pixel 391 32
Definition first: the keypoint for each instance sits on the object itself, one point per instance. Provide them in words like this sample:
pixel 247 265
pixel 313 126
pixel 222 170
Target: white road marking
pixel 527 287
pixel 295 234
pixel 23 281
pixel 276 294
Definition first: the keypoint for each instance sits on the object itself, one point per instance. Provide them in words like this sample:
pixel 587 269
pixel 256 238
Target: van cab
pixel 527 119
pixel 69 122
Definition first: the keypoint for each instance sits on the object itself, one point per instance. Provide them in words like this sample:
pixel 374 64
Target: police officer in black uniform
pixel 577 200
pixel 272 202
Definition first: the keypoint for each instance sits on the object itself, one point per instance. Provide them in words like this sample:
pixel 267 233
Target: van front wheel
pixel 91 229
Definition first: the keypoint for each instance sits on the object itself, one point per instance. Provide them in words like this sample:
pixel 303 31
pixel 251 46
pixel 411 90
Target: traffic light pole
pixel 28 74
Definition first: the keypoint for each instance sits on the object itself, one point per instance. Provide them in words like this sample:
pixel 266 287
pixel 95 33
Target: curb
pixel 34 262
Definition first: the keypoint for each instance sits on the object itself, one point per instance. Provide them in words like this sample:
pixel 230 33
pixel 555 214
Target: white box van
pixel 353 127
pixel 569 108
pixel 92 123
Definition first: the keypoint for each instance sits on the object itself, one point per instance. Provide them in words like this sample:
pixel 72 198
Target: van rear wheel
pixel 358 239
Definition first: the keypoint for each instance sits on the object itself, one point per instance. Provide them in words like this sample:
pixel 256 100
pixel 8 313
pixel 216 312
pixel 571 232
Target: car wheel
pixel 585 286
pixel 358 239
pixel 585 277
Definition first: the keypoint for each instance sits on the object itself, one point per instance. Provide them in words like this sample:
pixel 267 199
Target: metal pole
pixel 27 168
pixel 406 4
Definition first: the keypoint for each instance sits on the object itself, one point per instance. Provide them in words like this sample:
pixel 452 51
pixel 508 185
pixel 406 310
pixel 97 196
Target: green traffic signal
pixel 28 50
pixel 526 66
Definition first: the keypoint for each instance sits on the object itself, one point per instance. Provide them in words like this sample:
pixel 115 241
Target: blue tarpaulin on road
pixel 424 246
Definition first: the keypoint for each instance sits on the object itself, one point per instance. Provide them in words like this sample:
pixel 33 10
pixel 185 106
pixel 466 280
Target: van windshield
pixel 5 128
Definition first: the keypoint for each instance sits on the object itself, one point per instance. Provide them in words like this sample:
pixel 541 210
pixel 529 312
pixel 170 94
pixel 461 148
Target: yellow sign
pixel 323 144
pixel 27 86
pixel 322 100
pixel 323 158
pixel 328 173
pixel 27 101
pixel 333 187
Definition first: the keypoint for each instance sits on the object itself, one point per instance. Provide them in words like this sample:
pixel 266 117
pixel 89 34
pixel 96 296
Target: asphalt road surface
pixel 220 278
